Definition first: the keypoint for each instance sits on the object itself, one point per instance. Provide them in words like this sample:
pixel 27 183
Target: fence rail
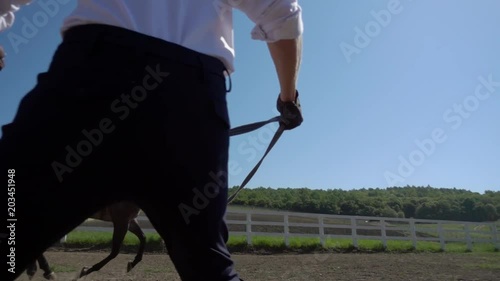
pixel 252 223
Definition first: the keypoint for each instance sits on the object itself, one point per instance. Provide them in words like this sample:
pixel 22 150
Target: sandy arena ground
pixel 380 266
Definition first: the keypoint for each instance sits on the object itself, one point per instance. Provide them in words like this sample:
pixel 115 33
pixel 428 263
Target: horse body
pixel 123 215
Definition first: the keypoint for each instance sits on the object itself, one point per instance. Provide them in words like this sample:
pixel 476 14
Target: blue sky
pixel 394 93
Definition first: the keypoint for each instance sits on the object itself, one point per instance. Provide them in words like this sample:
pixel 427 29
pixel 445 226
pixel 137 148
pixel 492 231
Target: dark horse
pixel 123 215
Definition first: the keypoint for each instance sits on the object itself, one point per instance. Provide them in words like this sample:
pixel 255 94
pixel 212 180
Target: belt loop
pixel 230 82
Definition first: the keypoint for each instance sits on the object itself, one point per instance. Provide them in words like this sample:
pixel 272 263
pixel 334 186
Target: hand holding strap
pixel 291 112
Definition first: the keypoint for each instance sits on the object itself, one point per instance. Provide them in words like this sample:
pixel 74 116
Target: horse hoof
pixel 50 276
pixel 84 271
pixel 130 265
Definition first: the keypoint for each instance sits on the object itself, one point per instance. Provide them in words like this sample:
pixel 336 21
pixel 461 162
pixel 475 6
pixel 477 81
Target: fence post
pixel 63 239
pixel 286 230
pixel 354 233
pixel 467 237
pixel 413 233
pixel 249 228
pixel 383 233
pixel 441 237
pixel 496 242
pixel 321 231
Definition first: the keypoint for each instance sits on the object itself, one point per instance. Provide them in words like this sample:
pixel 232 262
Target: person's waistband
pixel 144 44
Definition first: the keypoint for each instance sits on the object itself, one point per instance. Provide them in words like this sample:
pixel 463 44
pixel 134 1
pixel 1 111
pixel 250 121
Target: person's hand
pixel 2 55
pixel 291 112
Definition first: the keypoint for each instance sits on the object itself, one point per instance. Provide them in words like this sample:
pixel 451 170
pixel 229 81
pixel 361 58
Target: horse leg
pixel 119 231
pixel 136 229
pixel 31 270
pixel 44 265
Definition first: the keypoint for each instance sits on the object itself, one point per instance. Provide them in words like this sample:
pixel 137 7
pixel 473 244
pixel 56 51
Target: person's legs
pixel 184 137
pixel 192 169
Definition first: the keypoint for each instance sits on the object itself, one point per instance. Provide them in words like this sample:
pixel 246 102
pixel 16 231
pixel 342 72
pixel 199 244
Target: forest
pixel 403 202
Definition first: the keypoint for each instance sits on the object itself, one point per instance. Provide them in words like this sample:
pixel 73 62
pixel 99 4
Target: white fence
pixel 251 223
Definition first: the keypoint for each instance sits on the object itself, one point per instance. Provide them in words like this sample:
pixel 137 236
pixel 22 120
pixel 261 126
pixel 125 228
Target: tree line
pixel 403 202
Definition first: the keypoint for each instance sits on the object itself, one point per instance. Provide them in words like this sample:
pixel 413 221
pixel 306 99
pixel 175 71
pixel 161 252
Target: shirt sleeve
pixel 274 19
pixel 7 10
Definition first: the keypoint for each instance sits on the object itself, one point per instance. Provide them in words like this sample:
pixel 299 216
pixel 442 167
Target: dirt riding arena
pixel 380 266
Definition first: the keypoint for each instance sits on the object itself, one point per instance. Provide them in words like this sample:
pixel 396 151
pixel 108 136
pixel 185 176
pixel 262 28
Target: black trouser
pixel 123 116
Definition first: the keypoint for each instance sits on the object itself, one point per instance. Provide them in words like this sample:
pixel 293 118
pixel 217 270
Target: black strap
pixel 248 128
pixel 251 127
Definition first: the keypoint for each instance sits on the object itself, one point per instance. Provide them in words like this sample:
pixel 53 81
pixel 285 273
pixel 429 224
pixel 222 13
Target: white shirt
pixel 205 26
